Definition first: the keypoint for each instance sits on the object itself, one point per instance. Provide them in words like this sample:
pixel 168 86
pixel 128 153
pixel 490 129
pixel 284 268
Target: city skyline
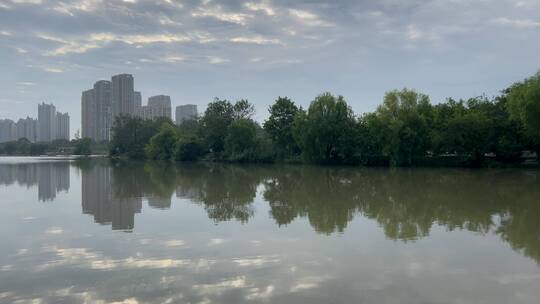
pixel 49 125
pixel 108 99
pixel 197 50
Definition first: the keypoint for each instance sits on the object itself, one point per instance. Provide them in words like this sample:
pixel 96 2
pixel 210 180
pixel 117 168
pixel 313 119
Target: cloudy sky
pixel 195 50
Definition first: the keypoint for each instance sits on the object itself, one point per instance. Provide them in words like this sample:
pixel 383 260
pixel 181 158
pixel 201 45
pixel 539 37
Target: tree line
pixel 405 130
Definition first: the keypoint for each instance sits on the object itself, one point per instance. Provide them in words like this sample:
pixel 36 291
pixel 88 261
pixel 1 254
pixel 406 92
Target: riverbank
pixel 428 162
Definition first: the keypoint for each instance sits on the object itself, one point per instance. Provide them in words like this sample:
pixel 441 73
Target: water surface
pixel 128 232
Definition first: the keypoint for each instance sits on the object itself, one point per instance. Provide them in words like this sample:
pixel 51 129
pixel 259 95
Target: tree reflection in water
pixel 406 203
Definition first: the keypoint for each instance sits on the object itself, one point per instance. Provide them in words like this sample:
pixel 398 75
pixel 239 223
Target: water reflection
pixel 100 199
pixel 211 233
pixel 405 203
pixel 51 177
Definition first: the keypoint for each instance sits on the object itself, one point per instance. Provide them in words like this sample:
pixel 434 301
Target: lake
pixel 132 232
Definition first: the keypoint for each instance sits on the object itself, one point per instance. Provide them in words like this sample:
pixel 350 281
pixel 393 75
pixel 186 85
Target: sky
pixel 195 50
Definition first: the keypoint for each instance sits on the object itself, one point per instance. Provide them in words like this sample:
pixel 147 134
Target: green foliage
pixel 216 120
pixel 524 106
pixel 23 147
pixel 240 143
pixel 162 146
pixel 405 130
pixel 83 146
pixel 403 121
pixel 326 133
pixel 370 141
pixel 188 149
pixel 279 125
pixel 130 135
pixel 507 134
pixel 243 109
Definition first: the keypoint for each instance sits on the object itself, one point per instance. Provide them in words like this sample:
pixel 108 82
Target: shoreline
pixel 527 163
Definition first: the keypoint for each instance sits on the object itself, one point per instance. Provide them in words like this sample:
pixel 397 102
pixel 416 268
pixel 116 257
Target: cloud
pixel 25 83
pixel 217 60
pixel 413 33
pixel 261 6
pixel 48 69
pixel 256 40
pixel 26 1
pixel 54 230
pixel 99 40
pixel 308 18
pixel 517 23
pixel 220 287
pixel 174 243
pixel 218 13
pixel 20 50
pixel 216 242
pixel 71 8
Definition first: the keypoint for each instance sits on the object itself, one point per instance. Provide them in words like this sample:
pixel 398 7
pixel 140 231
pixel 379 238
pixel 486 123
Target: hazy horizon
pixel 194 51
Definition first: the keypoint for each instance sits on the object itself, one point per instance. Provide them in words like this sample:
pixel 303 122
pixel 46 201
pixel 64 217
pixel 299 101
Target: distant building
pixel 122 95
pixel 27 128
pixel 88 115
pixel 62 126
pixel 8 130
pixel 161 105
pixel 96 111
pixel 103 104
pixel 46 122
pixel 185 112
pixel 157 107
pixel 137 99
pixel 49 126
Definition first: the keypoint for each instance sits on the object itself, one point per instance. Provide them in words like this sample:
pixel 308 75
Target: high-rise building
pixel 185 112
pixel 20 126
pixel 137 99
pixel 161 105
pixel 27 128
pixel 8 130
pixel 62 126
pixel 96 111
pixel 88 114
pixel 46 122
pixel 157 107
pixel 103 104
pixel 123 95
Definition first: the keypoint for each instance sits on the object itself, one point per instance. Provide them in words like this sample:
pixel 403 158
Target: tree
pixel 216 119
pixel 38 149
pixel 524 106
pixel 508 141
pixel 243 109
pixel 326 132
pixel 404 119
pixel 162 146
pixel 240 143
pixel 130 135
pixel 370 141
pixel 188 149
pixel 279 125
pixel 83 146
